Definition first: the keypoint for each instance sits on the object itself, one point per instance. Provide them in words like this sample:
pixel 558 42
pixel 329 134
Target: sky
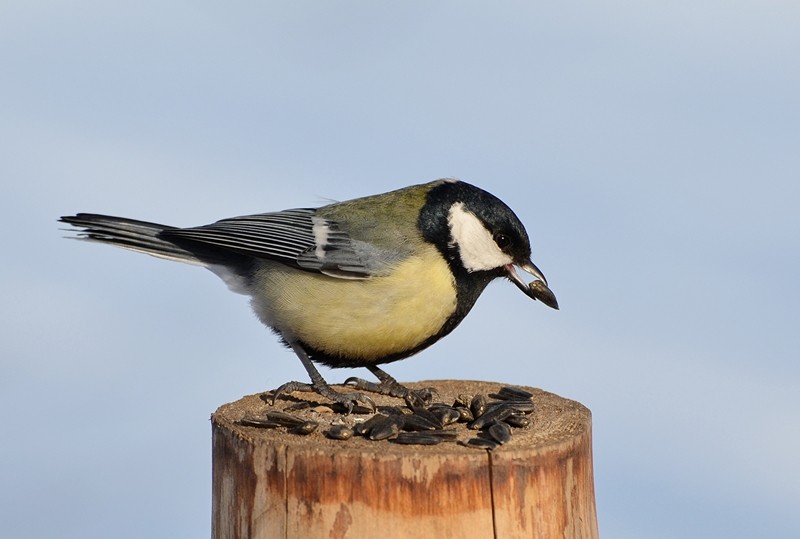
pixel 652 150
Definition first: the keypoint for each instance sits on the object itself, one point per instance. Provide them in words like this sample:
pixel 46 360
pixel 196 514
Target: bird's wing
pixel 294 237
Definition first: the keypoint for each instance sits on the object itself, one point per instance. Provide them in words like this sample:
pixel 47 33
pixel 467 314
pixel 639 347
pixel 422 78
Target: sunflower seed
pixel 497 413
pixel 465 414
pixel 384 428
pixel 416 422
pixel 260 423
pixel 427 415
pixel 500 432
pixel 509 393
pixel 522 407
pixel 518 421
pixel 540 291
pixel 305 428
pixel 478 405
pixel 417 438
pixel 340 432
pixel 445 414
pixel 363 428
pixel 284 419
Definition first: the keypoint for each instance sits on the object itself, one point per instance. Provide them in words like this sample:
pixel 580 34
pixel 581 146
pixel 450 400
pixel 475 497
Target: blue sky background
pixel 651 148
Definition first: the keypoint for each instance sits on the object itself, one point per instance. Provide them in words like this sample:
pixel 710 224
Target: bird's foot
pixel 393 388
pixel 348 400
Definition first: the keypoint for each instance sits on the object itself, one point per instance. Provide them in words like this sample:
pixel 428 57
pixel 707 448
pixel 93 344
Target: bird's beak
pixel 537 289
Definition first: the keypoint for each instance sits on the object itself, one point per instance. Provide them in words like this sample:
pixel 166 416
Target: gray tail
pixel 130 234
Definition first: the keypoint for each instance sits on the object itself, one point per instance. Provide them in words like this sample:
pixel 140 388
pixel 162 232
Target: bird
pixel 358 283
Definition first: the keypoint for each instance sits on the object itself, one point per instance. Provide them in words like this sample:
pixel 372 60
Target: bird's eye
pixel 502 240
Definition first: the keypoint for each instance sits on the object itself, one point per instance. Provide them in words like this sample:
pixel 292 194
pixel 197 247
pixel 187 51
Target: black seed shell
pixel 500 432
pixel 340 432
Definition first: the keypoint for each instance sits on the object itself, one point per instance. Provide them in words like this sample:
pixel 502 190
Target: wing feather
pixel 295 237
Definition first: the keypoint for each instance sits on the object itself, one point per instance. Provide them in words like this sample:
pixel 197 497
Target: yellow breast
pixel 360 319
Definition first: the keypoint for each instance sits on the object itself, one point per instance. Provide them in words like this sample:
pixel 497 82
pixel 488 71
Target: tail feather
pixel 131 234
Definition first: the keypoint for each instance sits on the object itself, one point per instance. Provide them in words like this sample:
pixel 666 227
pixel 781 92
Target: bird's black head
pixel 479 236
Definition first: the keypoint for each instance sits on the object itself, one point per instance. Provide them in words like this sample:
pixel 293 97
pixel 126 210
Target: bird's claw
pixel 420 397
pixel 366 385
pixel 290 387
pixel 348 400
pixel 391 388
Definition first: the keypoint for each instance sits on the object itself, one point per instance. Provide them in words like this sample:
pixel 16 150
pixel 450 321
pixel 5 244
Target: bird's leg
pixel 319 385
pixel 389 386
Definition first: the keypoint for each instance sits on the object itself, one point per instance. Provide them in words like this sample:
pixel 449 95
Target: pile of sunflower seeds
pixel 493 416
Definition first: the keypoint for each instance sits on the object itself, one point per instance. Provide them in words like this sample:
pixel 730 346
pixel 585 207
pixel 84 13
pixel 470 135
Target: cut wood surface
pixel 270 483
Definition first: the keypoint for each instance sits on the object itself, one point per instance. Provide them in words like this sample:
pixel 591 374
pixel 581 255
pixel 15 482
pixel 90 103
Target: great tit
pixel 357 283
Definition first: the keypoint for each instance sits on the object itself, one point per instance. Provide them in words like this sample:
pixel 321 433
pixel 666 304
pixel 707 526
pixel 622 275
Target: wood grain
pixel 269 483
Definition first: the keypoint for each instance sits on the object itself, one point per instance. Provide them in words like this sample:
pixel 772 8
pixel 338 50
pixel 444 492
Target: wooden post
pixel 272 484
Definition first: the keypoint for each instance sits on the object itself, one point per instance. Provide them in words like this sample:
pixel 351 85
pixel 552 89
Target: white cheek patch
pixel 476 246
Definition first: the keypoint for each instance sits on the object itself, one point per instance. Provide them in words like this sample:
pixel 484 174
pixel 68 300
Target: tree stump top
pixel 273 483
pixel 555 420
